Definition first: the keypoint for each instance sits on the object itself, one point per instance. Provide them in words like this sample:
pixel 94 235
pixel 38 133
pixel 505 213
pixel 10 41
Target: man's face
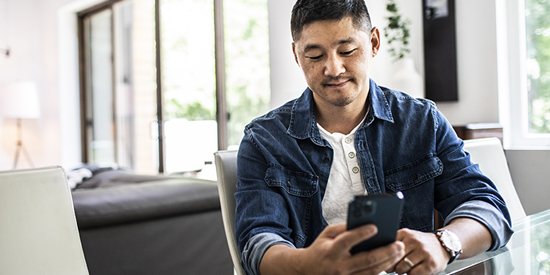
pixel 335 57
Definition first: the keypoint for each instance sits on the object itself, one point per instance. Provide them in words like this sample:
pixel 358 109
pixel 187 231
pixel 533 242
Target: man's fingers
pixel 404 233
pixel 352 237
pixel 332 231
pixel 382 258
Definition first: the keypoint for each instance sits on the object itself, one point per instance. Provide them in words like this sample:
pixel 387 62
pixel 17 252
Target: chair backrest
pixel 38 232
pixel 489 154
pixel 226 169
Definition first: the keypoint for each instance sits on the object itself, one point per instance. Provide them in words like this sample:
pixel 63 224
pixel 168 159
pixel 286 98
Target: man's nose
pixel 334 66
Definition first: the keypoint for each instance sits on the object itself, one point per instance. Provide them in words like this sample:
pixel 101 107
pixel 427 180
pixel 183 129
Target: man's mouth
pixel 336 84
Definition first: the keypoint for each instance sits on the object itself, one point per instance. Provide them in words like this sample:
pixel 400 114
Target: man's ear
pixel 294 52
pixel 375 40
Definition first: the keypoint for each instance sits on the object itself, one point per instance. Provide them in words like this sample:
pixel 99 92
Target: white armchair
pixel 226 167
pixel 488 153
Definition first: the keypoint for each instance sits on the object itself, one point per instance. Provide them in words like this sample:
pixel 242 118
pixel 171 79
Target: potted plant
pixel 397 31
pixel 404 76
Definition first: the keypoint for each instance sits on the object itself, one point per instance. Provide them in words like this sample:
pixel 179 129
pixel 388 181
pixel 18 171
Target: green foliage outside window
pixel 537 26
pixel 246 62
pixel 188 72
pixel 538 64
pixel 191 111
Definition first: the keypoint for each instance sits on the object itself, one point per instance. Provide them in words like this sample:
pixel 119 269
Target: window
pixel 213 75
pixel 118 100
pixel 537 37
pixel 524 73
pixel 537 31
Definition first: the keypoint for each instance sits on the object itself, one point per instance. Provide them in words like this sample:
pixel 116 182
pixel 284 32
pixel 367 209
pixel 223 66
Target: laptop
pixel 38 232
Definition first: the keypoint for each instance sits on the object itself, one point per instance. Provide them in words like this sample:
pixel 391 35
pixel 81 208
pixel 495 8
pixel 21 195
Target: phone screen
pixel 383 210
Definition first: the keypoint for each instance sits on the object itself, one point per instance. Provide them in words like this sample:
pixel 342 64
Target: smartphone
pixel 382 210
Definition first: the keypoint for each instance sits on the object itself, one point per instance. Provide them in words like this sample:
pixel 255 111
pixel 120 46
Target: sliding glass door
pixel 101 87
pixel 210 79
pixel 119 93
pixel 188 84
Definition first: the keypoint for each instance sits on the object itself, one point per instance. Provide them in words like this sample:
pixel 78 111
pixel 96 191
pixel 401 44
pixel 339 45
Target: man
pixel 299 164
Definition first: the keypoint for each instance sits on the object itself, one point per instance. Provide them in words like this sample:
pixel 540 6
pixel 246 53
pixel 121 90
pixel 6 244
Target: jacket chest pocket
pixel 295 183
pixel 413 180
pixel 413 174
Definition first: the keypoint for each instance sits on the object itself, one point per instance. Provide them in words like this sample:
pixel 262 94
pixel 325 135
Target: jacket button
pixel 415 176
pixel 288 183
pixel 326 160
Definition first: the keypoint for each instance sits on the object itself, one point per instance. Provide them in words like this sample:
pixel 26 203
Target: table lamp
pixel 19 100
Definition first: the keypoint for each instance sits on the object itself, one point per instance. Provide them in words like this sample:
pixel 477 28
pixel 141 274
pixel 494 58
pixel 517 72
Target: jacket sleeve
pixel 261 219
pixel 463 191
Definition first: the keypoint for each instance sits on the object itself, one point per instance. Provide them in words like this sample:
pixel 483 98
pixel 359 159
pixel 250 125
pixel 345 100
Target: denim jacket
pixel 404 144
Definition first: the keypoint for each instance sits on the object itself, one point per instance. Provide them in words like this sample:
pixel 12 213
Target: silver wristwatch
pixel 450 242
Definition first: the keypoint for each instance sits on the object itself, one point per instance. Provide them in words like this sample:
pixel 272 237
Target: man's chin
pixel 341 101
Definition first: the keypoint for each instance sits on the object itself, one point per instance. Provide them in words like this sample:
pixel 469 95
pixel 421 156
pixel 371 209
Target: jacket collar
pixel 302 120
pixel 379 103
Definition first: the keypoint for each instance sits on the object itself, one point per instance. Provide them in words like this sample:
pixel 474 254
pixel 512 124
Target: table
pixel 526 253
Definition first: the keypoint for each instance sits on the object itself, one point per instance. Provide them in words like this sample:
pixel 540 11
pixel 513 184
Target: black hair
pixel 308 11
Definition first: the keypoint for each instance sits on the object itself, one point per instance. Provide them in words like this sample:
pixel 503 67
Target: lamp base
pixel 20 146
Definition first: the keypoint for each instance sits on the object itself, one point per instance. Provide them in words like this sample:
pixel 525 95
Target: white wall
pixel 477 64
pixel 42 37
pixel 287 81
pixel 29 61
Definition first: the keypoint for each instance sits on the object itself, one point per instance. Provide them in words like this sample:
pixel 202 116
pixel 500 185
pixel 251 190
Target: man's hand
pixel 423 251
pixel 427 255
pixel 329 254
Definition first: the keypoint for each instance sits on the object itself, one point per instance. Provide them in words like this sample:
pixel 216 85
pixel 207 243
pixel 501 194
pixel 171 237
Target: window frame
pixel 513 96
pixel 85 96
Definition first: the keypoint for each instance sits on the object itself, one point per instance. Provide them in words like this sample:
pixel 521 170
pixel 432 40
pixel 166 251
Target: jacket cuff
pixel 255 249
pixel 489 216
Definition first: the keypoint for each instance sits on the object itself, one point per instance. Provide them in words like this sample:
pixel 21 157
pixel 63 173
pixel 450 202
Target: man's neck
pixel 340 119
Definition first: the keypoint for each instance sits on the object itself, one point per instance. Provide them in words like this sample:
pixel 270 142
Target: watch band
pixel 450 242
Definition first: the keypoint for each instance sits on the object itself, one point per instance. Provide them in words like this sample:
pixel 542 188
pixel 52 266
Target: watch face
pixel 451 240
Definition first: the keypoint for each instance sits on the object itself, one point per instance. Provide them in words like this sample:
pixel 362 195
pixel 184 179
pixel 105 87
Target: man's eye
pixel 348 52
pixel 315 57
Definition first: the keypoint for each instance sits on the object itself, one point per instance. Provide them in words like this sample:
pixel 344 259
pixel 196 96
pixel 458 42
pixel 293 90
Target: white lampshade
pixel 19 100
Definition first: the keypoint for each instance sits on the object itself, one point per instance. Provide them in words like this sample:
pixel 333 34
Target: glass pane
pixel 121 95
pixel 247 63
pixel 101 88
pixel 188 83
pixel 124 107
pixel 135 85
pixel 538 64
pixel 538 80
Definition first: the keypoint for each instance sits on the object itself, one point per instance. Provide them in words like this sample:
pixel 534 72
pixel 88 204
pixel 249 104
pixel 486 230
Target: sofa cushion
pixel 108 177
pixel 131 202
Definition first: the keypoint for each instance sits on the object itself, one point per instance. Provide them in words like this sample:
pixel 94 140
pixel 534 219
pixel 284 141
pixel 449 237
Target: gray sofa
pixel 137 224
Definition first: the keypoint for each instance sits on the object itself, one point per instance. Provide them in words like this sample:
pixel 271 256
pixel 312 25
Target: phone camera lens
pixel 368 207
pixel 357 210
